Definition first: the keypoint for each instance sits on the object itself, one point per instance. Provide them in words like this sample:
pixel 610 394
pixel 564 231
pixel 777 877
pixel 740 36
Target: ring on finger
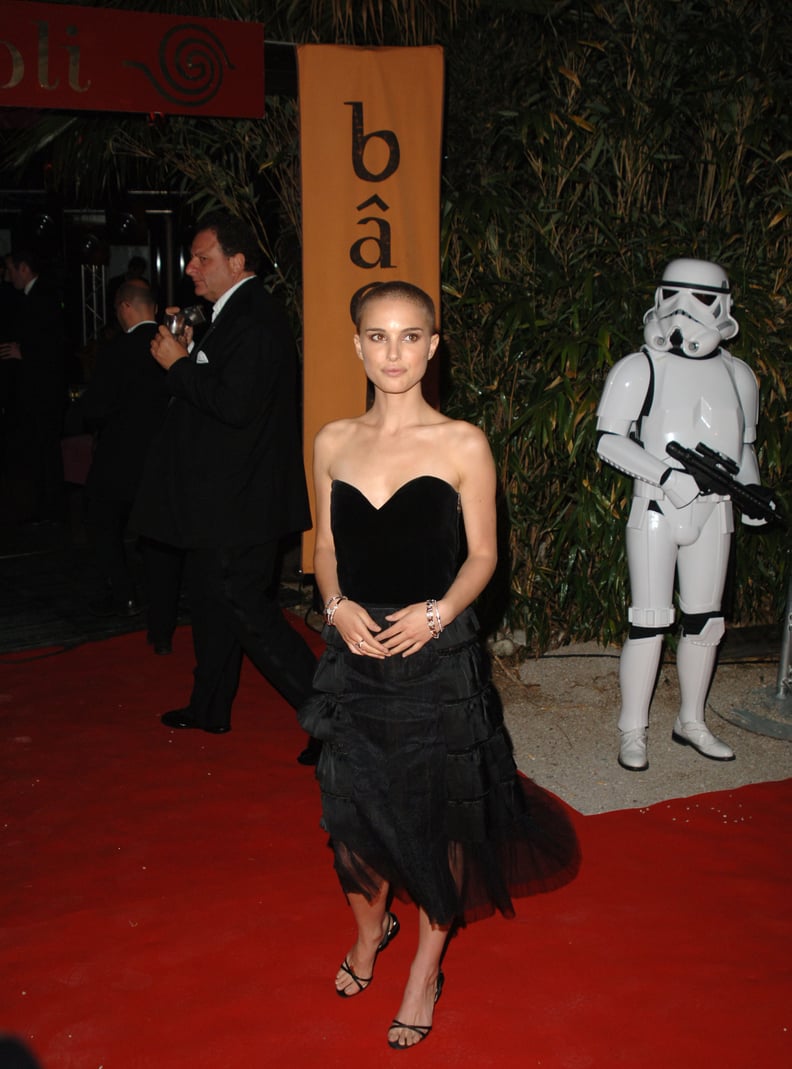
pixel 359 645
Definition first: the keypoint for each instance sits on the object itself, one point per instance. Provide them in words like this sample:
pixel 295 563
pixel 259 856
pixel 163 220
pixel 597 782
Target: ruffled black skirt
pixel 419 785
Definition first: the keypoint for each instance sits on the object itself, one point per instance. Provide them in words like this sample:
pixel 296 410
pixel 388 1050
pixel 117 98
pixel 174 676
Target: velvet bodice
pixel 406 550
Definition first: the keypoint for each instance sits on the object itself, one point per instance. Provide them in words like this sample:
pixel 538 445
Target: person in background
pixel 125 401
pixel 420 793
pixel 224 478
pixel 136 271
pixel 39 401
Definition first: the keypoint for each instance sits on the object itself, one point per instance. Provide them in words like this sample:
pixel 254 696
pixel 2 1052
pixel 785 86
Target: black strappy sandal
pixel 363 981
pixel 421 1030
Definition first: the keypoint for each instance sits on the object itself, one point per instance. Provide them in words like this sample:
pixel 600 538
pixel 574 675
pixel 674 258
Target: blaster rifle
pixel 714 472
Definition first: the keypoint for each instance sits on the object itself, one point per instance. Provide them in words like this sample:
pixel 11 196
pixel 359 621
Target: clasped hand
pixel 408 631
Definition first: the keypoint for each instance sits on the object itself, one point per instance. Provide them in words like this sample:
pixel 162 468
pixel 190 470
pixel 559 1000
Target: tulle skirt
pixel 418 781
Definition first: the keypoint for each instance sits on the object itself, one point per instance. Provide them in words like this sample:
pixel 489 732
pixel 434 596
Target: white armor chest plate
pixel 694 401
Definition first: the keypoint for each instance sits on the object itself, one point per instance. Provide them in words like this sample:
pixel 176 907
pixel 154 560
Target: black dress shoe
pixel 183 718
pixel 310 755
pixel 179 718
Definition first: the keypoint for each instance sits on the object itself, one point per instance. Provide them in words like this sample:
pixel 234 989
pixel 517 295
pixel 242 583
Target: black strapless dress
pixel 419 785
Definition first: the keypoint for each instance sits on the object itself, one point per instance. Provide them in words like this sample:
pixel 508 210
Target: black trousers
pixel 107 521
pixel 162 567
pixel 234 609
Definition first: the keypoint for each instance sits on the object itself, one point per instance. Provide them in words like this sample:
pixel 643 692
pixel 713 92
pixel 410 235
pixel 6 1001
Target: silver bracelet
pixel 433 620
pixel 331 605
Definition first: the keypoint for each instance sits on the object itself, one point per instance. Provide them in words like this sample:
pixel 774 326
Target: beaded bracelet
pixel 433 620
pixel 331 605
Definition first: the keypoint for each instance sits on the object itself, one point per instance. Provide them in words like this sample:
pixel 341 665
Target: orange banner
pixel 370 138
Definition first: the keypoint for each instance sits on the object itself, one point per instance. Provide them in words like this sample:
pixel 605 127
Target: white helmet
pixel 691 309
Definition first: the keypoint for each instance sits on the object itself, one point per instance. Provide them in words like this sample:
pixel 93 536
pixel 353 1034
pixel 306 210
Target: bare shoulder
pixel 334 434
pixel 467 449
pixel 465 438
pixel 329 441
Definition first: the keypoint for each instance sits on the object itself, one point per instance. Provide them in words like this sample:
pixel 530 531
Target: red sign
pixel 100 59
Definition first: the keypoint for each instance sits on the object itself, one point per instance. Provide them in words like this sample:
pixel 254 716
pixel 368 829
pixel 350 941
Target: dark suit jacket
pixel 126 400
pixel 226 468
pixel 40 332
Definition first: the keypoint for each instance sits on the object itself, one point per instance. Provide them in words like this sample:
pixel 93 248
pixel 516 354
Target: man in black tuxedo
pixel 125 401
pixel 36 418
pixel 224 477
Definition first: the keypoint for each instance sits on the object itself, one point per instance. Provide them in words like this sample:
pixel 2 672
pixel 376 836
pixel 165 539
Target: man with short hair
pixel 125 401
pixel 136 271
pixel 225 479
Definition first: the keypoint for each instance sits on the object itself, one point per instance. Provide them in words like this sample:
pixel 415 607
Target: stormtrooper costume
pixel 681 386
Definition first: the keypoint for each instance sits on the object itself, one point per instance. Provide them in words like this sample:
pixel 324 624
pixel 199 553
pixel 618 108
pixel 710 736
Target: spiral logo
pixel 192 62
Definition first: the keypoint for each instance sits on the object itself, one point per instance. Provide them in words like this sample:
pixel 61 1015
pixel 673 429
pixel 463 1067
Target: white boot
pixel 695 661
pixel 695 733
pixel 637 675
pixel 632 750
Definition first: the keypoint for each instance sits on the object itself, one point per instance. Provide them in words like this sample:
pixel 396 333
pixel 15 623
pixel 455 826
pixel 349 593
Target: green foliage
pixel 612 140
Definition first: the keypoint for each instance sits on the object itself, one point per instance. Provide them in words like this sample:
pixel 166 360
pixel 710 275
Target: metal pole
pixel 170 267
pixel 94 304
pixel 784 668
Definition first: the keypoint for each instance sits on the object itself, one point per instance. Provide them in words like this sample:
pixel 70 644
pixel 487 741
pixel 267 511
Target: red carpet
pixel 168 902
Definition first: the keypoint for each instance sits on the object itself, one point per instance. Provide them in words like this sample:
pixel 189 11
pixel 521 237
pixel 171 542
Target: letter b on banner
pixel 360 140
